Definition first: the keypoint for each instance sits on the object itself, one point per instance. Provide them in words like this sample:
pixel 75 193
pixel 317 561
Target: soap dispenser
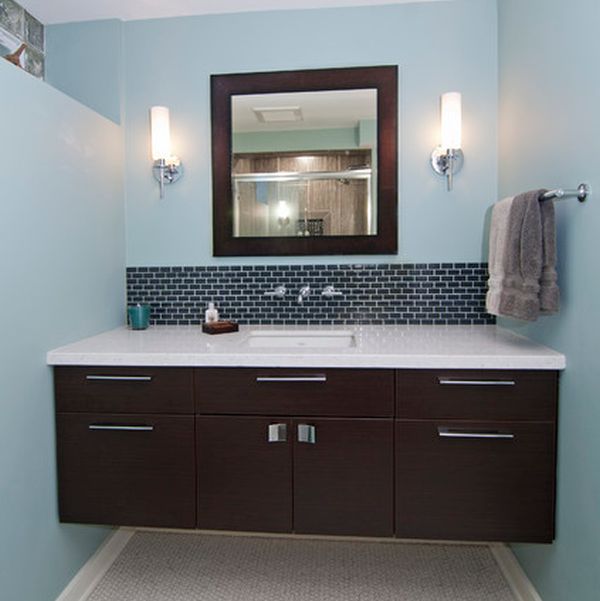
pixel 211 314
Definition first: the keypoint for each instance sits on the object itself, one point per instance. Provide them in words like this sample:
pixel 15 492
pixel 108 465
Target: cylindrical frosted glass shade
pixel 161 132
pixel 451 120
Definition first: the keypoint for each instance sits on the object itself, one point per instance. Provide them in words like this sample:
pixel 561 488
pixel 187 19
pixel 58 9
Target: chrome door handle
pixel 123 428
pixel 449 382
pixel 307 434
pixel 315 378
pixel 277 433
pixel 453 433
pixel 120 378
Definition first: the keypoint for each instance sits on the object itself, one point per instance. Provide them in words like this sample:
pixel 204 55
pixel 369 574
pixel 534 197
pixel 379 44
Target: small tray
pixel 220 327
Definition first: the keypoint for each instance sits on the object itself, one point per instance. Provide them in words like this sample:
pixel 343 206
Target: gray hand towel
pixel 499 257
pixel 519 256
pixel 549 292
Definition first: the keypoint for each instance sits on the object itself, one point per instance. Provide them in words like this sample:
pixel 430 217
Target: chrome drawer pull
pixel 315 378
pixel 121 428
pixel 451 433
pixel 446 382
pixel 307 434
pixel 277 433
pixel 121 378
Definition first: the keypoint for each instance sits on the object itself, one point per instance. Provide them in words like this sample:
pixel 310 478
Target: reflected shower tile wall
pixel 17 26
pixel 427 293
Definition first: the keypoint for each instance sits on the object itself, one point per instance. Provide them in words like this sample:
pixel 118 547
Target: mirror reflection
pixel 304 164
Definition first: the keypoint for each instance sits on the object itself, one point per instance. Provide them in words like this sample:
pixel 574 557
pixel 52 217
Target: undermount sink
pixel 301 339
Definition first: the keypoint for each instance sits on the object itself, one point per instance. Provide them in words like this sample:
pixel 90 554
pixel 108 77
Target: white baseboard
pixel 520 585
pixel 90 574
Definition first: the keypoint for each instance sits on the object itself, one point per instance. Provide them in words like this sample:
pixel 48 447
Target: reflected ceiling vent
pixel 279 114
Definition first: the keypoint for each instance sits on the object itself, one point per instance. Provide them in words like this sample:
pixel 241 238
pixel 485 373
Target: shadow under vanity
pixel 430 453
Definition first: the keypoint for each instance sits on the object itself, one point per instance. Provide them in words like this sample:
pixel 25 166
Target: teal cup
pixel 139 316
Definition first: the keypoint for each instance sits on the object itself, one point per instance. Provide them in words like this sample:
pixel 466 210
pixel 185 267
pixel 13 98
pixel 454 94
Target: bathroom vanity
pixel 432 432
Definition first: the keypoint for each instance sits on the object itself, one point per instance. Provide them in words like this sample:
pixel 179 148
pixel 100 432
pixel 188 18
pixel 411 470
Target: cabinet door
pixel 343 476
pixel 131 470
pixel 491 481
pixel 244 473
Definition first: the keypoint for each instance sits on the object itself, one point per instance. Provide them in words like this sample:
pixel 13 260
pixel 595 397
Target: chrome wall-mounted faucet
pixel 278 292
pixel 330 292
pixel 304 292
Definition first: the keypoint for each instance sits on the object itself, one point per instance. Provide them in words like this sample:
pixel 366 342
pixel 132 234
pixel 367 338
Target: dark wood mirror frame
pixel 382 78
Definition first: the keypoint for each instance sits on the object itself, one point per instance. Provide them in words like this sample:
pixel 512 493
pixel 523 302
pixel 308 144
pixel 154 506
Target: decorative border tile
pixel 423 293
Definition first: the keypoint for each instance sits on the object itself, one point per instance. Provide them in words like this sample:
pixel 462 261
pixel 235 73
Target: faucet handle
pixel 278 292
pixel 330 292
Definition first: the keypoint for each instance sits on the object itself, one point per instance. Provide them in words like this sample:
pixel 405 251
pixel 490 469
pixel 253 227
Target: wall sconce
pixel 447 159
pixel 167 168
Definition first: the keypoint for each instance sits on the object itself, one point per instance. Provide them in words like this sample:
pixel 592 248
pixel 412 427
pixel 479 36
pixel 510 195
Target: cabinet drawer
pixel 476 394
pixel 319 392
pixel 491 481
pixel 124 389
pixel 126 469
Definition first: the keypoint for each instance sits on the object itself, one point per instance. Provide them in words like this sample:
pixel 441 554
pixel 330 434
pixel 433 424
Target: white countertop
pixel 416 347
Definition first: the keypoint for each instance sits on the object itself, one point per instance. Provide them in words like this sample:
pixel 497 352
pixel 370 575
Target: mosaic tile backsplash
pixel 427 293
pixel 17 26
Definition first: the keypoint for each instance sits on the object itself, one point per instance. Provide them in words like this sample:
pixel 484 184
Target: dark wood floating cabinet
pixel 428 454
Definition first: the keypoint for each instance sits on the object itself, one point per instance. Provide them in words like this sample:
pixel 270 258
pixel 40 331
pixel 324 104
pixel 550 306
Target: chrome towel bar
pixel 582 192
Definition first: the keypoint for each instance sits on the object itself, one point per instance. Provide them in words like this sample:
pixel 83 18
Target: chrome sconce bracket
pixel 447 162
pixel 167 171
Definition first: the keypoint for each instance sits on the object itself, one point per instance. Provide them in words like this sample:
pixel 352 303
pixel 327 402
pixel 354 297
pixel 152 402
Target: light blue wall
pixel 439 46
pixel 62 262
pixel 341 138
pixel 366 134
pixel 85 61
pixel 549 124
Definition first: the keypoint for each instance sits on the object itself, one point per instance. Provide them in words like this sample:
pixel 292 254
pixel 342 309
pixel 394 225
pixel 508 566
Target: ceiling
pixel 318 110
pixel 64 11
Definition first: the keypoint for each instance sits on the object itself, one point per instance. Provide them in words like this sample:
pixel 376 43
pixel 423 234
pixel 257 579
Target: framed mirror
pixel 305 162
